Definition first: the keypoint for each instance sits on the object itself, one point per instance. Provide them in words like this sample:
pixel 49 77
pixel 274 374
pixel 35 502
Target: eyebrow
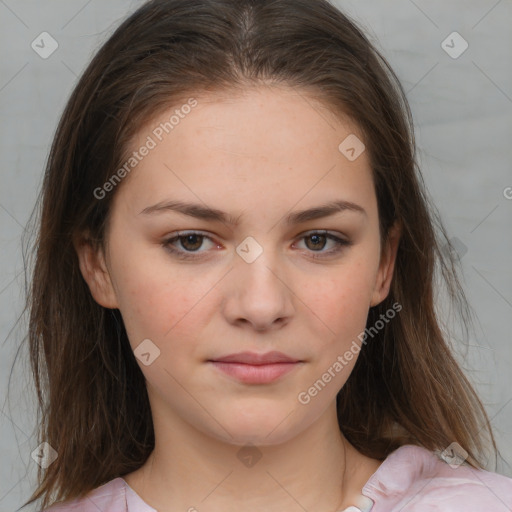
pixel 212 214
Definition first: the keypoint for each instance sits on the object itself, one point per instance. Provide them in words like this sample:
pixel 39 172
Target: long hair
pixel 406 386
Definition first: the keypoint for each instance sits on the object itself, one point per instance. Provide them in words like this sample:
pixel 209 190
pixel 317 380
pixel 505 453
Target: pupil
pixel 316 239
pixel 190 238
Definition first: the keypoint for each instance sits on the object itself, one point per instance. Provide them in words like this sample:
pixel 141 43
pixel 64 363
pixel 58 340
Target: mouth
pixel 254 368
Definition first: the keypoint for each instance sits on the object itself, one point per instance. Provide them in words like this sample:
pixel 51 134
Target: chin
pixel 257 428
pixel 257 438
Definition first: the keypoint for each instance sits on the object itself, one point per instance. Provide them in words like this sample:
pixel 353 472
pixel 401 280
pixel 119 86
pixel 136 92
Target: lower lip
pixel 255 374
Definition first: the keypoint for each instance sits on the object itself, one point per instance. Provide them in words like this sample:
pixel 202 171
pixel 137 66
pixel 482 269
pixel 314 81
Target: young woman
pixel 232 303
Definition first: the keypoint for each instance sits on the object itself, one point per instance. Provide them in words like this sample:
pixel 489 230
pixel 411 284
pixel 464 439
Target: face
pixel 192 290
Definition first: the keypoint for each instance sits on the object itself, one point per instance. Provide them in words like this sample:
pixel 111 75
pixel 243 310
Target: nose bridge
pixel 257 265
pixel 258 293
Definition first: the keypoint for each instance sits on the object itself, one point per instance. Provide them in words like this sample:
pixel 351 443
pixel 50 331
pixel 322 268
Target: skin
pixel 257 155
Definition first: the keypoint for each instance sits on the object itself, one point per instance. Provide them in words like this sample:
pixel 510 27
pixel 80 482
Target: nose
pixel 258 295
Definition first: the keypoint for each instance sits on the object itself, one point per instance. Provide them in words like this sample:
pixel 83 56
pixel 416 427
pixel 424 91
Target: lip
pixel 254 368
pixel 254 358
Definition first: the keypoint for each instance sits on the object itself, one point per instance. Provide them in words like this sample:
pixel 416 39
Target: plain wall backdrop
pixel 462 107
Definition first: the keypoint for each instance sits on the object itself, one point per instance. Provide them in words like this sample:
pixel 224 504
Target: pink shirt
pixel 410 479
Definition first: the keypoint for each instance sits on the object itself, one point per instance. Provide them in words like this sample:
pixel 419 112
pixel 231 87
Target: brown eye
pixel 188 245
pixel 318 241
pixel 191 242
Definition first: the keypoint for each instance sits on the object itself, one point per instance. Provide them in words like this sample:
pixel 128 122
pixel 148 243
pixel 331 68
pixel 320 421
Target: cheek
pixel 158 302
pixel 342 305
pixel 341 301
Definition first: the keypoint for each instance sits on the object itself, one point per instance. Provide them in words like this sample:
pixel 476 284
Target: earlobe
pixel 387 265
pixel 95 272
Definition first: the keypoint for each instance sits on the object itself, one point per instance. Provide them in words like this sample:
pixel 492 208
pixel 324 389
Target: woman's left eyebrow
pixel 202 212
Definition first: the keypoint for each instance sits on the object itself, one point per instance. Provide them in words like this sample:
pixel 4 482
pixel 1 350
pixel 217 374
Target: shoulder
pixel 415 479
pixel 109 497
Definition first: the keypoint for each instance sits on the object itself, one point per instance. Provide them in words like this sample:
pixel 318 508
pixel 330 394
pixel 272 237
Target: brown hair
pixel 406 387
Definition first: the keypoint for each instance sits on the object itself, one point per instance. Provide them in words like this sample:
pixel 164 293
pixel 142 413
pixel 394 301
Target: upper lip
pixel 256 359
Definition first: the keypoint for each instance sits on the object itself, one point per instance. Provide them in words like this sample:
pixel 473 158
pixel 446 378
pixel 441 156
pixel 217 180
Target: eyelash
pixel 167 244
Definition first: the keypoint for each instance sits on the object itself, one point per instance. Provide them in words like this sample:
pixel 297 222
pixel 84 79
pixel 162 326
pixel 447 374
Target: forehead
pixel 280 119
pixel 261 142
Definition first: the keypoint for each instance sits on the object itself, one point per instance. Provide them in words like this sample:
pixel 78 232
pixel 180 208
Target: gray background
pixel 463 117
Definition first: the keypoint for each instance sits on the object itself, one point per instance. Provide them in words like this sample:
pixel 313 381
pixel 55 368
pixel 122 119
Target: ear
pixel 95 272
pixel 386 265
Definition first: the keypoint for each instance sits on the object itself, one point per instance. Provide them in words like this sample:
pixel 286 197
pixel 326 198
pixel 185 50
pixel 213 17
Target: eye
pixel 315 241
pixel 190 243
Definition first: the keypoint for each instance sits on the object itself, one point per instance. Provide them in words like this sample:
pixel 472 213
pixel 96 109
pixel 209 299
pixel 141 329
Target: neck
pixel 315 470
